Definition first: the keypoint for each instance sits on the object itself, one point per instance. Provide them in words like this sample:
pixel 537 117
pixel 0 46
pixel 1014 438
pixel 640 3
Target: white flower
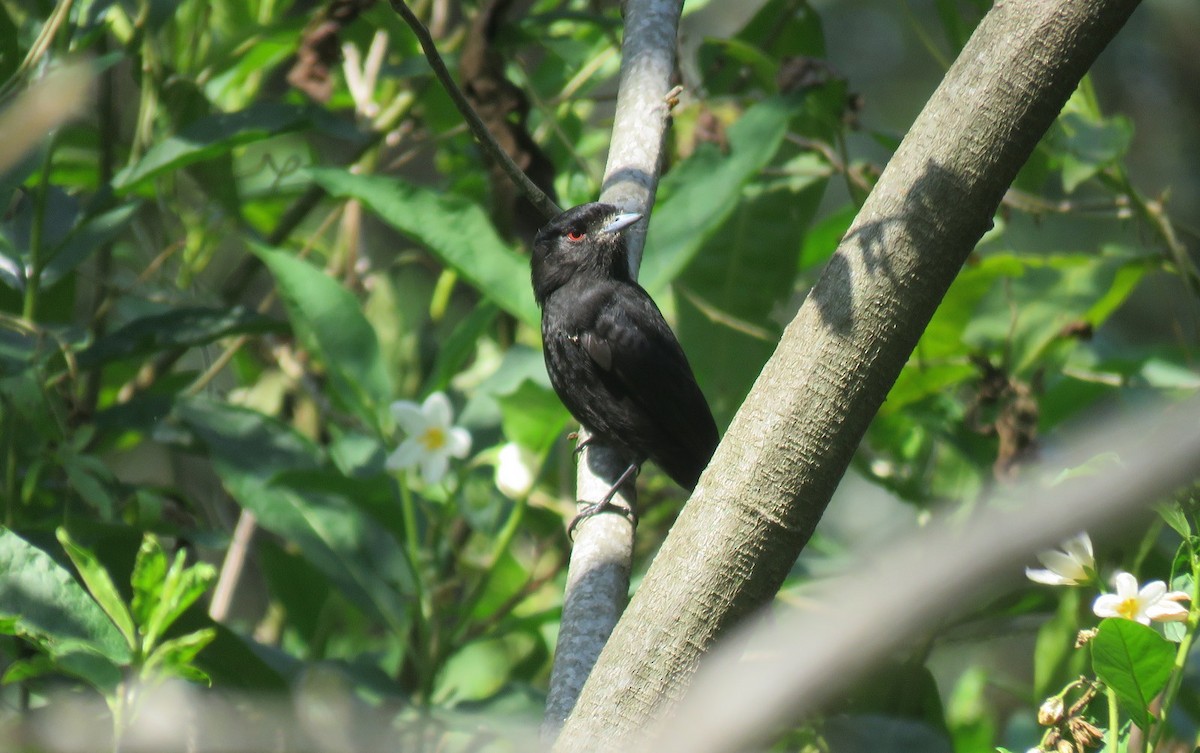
pixel 362 75
pixel 1075 565
pixel 432 437
pixel 1151 602
pixel 515 470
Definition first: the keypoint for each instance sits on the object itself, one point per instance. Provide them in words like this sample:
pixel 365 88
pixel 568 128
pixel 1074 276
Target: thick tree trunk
pixel 790 443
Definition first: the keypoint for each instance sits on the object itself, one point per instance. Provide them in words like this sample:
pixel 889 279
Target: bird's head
pixel 587 239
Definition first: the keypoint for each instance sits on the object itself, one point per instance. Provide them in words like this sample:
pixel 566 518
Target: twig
pixel 231 569
pixel 535 195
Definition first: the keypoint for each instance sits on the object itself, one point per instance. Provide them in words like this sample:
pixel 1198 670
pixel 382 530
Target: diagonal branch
pixel 535 195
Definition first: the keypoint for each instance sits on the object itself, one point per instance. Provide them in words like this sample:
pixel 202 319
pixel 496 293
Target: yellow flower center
pixel 1128 608
pixel 434 438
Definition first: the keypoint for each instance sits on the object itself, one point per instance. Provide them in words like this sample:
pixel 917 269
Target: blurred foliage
pixel 215 282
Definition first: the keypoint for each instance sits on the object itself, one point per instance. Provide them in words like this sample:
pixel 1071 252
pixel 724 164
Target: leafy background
pixel 216 280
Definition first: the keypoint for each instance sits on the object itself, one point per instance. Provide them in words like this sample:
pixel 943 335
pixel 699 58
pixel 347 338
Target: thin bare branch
pixel 535 195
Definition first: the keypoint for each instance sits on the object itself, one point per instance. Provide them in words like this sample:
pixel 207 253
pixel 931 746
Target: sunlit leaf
pixel 1134 661
pixel 174 657
pixel 479 670
pixel 149 572
pixel 101 586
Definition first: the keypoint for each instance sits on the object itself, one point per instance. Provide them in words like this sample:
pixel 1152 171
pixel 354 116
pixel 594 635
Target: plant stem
pixel 10 470
pixel 36 235
pixel 412 553
pixel 1114 722
pixel 501 544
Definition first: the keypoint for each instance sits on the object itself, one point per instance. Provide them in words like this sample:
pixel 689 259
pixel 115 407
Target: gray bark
pixel 790 443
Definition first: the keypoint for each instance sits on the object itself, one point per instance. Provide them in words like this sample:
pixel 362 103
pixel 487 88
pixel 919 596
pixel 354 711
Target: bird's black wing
pixel 641 361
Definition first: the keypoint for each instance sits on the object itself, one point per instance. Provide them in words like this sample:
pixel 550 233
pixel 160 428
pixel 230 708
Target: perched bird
pixel 612 359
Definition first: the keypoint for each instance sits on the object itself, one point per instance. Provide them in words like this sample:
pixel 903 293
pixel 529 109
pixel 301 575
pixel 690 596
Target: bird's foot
pixel 595 508
pixel 580 444
pixel 606 504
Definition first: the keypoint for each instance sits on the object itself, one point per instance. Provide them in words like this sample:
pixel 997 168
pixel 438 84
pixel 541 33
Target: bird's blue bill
pixel 623 220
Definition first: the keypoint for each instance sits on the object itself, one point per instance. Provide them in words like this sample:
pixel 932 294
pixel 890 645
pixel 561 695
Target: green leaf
pixel 457 231
pixel 458 347
pixel 823 237
pixel 149 572
pixel 212 136
pixel 300 589
pixel 1104 462
pixel 101 587
pixel 1173 515
pixel 1054 292
pixel 329 321
pixel 701 192
pixel 174 657
pixel 178 590
pixel 255 456
pixel 952 23
pixel 84 239
pixel 533 416
pixel 27 669
pixel 1163 374
pixel 507 576
pixel 178 328
pixel 87 476
pixel 41 600
pixel 744 61
pixel 736 286
pixel 1055 645
pixel 239 663
pixel 1135 662
pixel 479 670
pixel 1090 145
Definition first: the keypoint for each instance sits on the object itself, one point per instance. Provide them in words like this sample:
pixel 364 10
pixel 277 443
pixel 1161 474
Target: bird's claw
pixel 595 508
pixel 575 453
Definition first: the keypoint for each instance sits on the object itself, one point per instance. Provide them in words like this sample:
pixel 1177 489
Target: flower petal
pixel 1106 605
pixel 437 410
pixel 458 442
pixel 1064 565
pixel 433 467
pixel 1126 584
pixel 1047 577
pixel 408 416
pixel 1079 547
pixel 406 455
pixel 1167 611
pixel 1152 592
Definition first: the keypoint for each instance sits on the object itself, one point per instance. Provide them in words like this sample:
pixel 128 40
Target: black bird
pixel 612 359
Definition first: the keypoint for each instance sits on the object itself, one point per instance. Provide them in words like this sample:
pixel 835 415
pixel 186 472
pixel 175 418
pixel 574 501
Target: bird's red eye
pixel 574 236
